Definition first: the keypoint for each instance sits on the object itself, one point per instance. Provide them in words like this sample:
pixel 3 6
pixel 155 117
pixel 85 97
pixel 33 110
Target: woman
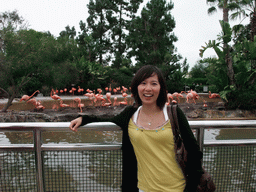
pixel 149 162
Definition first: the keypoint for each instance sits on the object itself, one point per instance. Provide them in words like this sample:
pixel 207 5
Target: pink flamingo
pixel 194 94
pixel 36 103
pixel 115 101
pixel 90 96
pixel 80 89
pixel 108 95
pixel 124 89
pixel 39 105
pixel 177 95
pixel 125 99
pixel 55 97
pixel 192 97
pixel 205 104
pixel 98 97
pixel 26 97
pixel 213 95
pixel 32 101
pixel 169 98
pixel 80 105
pixel 62 104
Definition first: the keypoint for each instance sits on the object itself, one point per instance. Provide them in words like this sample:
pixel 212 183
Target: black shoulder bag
pixel 206 182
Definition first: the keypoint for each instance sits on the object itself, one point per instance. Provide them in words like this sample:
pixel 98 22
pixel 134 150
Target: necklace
pixel 151 117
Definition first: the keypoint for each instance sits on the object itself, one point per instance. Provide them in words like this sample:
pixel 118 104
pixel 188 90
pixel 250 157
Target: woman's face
pixel 149 90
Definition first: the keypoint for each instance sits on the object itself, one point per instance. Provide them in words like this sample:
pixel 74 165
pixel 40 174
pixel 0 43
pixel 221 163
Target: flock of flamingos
pixel 99 100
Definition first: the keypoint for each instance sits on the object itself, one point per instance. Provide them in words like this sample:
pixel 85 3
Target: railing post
pixel 200 138
pixel 38 159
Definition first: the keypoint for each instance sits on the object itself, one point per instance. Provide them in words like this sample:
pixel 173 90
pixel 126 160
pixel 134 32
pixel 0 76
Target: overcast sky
pixel 194 26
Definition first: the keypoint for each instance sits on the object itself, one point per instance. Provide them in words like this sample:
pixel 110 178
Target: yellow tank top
pixel 158 170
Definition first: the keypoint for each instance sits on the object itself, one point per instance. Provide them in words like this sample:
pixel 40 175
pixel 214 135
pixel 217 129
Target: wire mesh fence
pixel 17 171
pixel 232 167
pixel 93 171
pixel 98 168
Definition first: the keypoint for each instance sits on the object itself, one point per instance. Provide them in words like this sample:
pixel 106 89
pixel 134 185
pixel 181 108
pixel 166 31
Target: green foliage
pixel 243 99
pixel 151 35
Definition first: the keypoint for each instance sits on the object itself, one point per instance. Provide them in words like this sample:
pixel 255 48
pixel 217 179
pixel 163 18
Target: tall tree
pixel 246 8
pixel 26 54
pixel 125 11
pixel 69 32
pixel 225 5
pixel 100 21
pixel 151 35
pixel 87 46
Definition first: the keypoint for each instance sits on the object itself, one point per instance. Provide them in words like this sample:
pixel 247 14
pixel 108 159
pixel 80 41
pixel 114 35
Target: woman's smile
pixel 149 90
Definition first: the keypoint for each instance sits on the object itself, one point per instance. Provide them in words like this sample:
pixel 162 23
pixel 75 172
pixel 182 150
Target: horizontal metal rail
pixel 199 126
pixel 108 126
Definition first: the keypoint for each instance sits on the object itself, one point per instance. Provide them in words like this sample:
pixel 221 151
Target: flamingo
pixel 205 104
pixel 98 97
pixel 115 101
pixel 169 98
pixel 192 97
pixel 80 105
pixel 125 99
pixel 80 89
pixel 177 95
pixel 39 105
pixel 55 97
pixel 26 97
pixel 194 94
pixel 99 90
pixel 90 96
pixel 124 89
pixel 213 95
pixel 108 95
pixel 32 101
pixel 62 104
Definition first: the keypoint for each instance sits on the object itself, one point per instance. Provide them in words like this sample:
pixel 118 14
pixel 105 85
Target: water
pixel 110 137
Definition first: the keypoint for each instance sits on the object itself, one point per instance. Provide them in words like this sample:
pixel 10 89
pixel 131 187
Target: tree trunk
pixel 229 63
pixel 228 59
pixel 253 26
pixel 9 103
pixel 225 11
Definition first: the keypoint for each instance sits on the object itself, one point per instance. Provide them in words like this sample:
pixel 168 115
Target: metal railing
pixel 41 152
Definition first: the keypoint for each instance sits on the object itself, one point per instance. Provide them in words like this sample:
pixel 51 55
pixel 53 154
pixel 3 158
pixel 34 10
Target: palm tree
pixel 226 6
pixel 246 8
pixel 221 4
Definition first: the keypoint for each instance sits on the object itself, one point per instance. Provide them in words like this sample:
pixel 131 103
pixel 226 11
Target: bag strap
pixel 172 113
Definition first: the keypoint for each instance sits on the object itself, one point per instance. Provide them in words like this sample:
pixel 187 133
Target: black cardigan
pixel 129 174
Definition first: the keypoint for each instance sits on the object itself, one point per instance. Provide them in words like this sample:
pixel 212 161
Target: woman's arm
pixel 121 119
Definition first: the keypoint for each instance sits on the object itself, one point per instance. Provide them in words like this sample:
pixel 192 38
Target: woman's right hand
pixel 75 124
